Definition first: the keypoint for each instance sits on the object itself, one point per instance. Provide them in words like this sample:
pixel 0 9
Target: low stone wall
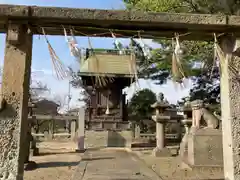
pixel 95 139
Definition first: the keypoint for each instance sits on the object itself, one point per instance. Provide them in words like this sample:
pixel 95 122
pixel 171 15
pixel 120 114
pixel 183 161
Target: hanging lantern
pixel 93 91
pixel 107 112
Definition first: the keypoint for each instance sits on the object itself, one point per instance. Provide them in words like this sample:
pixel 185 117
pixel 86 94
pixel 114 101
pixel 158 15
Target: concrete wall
pixel 95 139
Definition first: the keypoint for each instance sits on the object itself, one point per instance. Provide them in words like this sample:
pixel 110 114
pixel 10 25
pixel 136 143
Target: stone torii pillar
pixel 230 106
pixel 15 88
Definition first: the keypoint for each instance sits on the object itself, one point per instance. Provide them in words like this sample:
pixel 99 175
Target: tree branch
pixel 193 6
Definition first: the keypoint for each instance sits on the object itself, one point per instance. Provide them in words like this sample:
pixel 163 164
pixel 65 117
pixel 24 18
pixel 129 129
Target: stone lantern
pixel 161 118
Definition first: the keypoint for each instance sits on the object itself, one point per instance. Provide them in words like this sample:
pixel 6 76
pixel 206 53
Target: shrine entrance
pixel 21 22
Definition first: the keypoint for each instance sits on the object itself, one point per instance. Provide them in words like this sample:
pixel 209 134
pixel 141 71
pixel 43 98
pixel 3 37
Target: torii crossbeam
pixel 95 21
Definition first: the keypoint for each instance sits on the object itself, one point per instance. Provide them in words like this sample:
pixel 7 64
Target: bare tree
pixel 60 100
pixel 37 90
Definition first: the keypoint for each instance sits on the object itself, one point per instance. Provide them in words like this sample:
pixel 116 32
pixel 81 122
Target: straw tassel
pixel 117 44
pixel 73 45
pixel 145 48
pixel 133 65
pixel 58 66
pixel 177 69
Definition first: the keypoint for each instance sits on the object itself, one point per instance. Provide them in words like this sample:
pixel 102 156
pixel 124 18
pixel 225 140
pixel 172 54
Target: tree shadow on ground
pixel 56 164
pixel 55 153
pixel 97 158
pixel 69 164
pixel 72 152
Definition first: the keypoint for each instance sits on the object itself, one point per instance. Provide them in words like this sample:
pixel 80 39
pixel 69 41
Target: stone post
pixel 15 88
pixel 73 129
pixel 187 122
pixel 179 130
pixel 34 151
pixel 81 130
pixel 27 147
pixel 173 114
pixel 137 131
pixel 50 131
pixel 29 135
pixel 230 99
pixel 160 135
pixel 184 142
pixel 160 118
pixel 46 135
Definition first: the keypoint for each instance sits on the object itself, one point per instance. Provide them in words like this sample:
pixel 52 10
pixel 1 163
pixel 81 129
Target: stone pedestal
pixel 160 150
pixel 205 147
pixel 164 152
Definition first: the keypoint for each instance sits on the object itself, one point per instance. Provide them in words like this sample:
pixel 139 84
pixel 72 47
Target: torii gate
pixel 21 22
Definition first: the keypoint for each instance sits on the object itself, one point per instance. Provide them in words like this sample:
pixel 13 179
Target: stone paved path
pixel 109 164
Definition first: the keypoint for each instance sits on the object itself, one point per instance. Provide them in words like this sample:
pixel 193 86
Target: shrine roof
pixel 107 65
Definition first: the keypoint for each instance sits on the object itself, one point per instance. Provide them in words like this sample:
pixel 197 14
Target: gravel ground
pixel 113 164
pixel 57 161
pixel 172 168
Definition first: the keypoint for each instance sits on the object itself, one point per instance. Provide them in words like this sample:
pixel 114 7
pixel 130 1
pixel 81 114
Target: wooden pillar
pixel 230 107
pixel 15 88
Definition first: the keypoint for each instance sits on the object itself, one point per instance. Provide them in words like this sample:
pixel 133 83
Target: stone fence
pixel 108 138
pixel 153 136
pixel 107 125
pixel 54 127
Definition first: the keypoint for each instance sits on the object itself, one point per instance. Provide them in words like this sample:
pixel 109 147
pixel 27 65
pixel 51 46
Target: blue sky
pixel 41 62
